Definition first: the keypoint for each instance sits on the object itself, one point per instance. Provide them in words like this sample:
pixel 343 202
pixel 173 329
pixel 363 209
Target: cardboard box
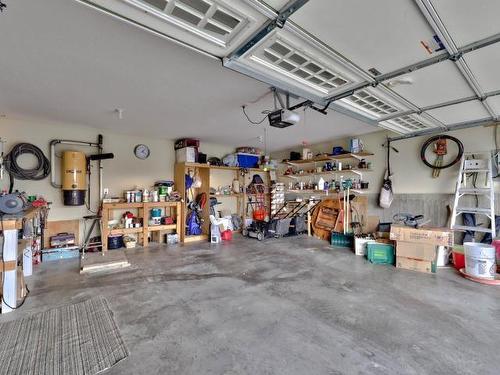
pixel 418 251
pixel 425 235
pixel 186 155
pixel 416 265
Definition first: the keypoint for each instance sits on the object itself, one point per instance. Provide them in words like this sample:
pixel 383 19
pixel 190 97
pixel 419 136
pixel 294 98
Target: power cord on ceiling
pixel 250 120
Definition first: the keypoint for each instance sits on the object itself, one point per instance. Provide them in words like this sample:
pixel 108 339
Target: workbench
pixel 12 249
pixel 143 212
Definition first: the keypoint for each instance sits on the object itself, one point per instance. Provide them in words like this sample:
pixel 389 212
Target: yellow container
pixel 74 178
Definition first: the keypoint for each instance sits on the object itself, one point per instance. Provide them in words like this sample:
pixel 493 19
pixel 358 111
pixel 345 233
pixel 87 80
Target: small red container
pixel 259 214
pixel 227 235
pixel 458 260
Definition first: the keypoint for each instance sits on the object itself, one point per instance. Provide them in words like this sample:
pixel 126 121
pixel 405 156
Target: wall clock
pixel 141 151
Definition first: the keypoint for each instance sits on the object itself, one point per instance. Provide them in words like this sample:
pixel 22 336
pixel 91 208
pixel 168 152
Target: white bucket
pixel 360 245
pixel 480 260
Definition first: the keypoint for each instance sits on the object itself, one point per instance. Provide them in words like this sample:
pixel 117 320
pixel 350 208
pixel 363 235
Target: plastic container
pixel 480 260
pixel 115 242
pixel 259 214
pixel 342 240
pixel 227 235
pixel 458 259
pixel 496 244
pixel 360 245
pixel 247 160
pixel 380 253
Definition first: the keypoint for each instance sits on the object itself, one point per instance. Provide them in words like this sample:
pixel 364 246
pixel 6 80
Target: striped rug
pixel 77 339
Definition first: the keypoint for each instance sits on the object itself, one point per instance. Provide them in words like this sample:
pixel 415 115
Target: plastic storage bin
pixel 342 240
pixel 248 160
pixel 380 253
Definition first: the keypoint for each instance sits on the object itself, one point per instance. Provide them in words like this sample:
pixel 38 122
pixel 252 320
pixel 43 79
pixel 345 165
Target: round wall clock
pixel 141 151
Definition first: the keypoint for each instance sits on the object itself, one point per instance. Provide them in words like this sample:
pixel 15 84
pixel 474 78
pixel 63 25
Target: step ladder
pixel 482 169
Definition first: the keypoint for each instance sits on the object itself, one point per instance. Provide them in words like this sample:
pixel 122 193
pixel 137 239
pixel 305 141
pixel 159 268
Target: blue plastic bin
pixel 248 160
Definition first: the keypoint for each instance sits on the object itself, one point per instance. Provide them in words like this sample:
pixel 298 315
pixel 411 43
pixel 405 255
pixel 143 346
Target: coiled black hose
pixel 436 138
pixel 39 172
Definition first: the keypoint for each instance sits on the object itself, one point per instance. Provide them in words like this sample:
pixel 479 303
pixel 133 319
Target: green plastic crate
pixel 380 253
pixel 342 240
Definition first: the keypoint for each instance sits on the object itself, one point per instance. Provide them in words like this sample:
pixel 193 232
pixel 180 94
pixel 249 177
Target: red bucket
pixel 227 235
pixel 458 260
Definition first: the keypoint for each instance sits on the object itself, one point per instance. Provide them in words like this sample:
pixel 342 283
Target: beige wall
pixel 124 172
pixel 411 176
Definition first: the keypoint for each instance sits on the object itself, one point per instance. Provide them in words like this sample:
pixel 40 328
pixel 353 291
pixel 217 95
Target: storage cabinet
pixel 205 174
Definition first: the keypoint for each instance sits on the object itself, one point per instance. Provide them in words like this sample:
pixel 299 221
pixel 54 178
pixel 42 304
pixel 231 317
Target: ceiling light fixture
pixel 400 81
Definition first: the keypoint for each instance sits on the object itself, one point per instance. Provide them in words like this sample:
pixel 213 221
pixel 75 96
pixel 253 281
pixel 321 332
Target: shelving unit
pixel 324 159
pixel 358 171
pixel 143 212
pixel 203 171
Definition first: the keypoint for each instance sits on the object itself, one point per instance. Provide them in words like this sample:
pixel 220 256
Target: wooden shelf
pixel 330 192
pixel 114 232
pixel 236 195
pixel 352 170
pixel 173 208
pixel 161 204
pixel 318 159
pixel 201 237
pixel 154 228
pixel 350 155
pixel 122 205
pixel 223 168
pixel 325 158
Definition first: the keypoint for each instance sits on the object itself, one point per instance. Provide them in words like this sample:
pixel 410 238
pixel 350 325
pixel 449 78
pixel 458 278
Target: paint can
pixel 480 260
pixel 155 216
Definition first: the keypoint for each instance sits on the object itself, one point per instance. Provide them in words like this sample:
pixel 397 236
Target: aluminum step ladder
pixel 479 168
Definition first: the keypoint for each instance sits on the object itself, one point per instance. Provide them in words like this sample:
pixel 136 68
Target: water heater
pixel 74 178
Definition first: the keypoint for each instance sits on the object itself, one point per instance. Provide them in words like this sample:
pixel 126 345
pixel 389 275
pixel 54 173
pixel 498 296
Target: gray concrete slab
pixel 288 306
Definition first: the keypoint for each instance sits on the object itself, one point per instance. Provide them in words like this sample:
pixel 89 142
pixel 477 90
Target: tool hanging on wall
pixel 387 192
pixel 440 149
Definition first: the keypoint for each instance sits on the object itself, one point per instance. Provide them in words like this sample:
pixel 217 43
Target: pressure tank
pixel 74 178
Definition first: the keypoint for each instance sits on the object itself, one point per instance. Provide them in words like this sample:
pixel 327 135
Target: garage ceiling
pixel 378 62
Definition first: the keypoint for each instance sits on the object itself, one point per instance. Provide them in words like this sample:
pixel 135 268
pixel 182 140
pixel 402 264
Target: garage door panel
pixel 485 63
pixel 468 21
pixel 458 113
pixel 358 29
pixel 432 85
pixel 494 103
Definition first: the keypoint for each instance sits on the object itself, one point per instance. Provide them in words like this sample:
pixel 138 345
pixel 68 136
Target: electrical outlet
pixel 106 191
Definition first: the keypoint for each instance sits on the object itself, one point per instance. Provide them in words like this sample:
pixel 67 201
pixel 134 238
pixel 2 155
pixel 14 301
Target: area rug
pixel 76 339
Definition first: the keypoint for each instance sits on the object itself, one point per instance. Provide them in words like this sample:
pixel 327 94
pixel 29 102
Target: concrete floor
pixel 288 306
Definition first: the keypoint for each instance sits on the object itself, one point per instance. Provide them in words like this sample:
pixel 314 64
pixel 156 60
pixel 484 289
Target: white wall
pixel 411 176
pixel 123 172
